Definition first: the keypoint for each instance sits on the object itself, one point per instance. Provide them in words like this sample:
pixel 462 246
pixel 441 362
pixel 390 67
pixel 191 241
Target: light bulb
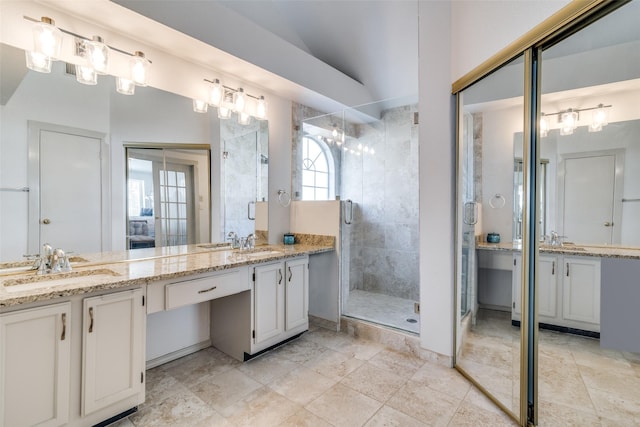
pixel 224 112
pixel 239 100
pixel 569 121
pixel 334 132
pixel 216 93
pixel 139 68
pixel 200 106
pixel 598 119
pixel 47 38
pixel 261 109
pixel 125 86
pixel 38 62
pixel 97 54
pixel 86 75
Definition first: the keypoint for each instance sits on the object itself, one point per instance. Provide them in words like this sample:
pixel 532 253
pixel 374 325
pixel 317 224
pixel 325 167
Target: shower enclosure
pixel 368 157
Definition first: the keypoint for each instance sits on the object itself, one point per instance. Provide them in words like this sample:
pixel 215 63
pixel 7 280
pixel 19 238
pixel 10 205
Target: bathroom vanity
pixel 72 345
pixel 574 282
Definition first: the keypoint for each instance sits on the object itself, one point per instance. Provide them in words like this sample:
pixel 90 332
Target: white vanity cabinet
pixel 568 291
pixel 275 310
pixel 35 360
pixel 581 292
pixel 112 356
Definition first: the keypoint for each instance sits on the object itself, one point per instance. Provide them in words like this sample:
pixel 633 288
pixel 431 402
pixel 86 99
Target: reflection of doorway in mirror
pixel 589 199
pixel 67 197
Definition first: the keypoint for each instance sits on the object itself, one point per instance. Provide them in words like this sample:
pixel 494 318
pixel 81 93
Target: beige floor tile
pixel 498 382
pixel 398 363
pixel 342 406
pixel 625 408
pixel 359 348
pixel 263 407
pixel 300 350
pixel 223 390
pixel 160 385
pixel 471 415
pixel 614 380
pixel 190 369
pixel 304 418
pixel 329 339
pixel 424 404
pixel 374 382
pixel 551 414
pixel 333 364
pixel 566 391
pixel 443 379
pixel 389 417
pixel 267 367
pixel 302 385
pixel 180 409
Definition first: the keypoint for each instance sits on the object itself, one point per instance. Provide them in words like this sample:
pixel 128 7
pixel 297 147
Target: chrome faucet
pixel 235 241
pixel 556 240
pixel 250 242
pixel 52 260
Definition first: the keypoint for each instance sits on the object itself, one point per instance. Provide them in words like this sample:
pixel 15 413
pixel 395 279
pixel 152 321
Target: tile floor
pixel 323 378
pixel 383 309
pixel 580 384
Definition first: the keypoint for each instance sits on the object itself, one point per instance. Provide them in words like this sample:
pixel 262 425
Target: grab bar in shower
pixel 350 216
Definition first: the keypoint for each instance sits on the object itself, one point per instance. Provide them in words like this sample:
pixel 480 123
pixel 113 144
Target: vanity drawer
pixel 193 291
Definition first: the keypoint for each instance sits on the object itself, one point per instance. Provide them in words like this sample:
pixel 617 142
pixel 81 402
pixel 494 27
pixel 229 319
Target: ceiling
pixel 373 44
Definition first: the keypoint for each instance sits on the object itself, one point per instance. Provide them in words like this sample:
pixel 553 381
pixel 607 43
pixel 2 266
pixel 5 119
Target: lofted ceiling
pixel 372 44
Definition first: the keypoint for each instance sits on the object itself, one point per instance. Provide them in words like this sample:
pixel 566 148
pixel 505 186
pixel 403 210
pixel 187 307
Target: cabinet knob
pixel 46 221
pixel 608 224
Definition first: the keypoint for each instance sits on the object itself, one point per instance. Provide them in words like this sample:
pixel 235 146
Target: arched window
pixel 317 170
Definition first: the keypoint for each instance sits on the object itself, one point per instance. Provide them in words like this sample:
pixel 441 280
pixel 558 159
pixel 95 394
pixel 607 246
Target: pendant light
pixel 568 122
pixel 598 119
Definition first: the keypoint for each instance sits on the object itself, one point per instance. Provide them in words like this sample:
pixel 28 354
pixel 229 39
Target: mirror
pixel 149 115
pixel 245 173
pixel 168 196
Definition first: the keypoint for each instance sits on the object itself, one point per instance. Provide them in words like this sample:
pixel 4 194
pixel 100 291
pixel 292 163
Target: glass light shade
pixel 86 75
pixel 244 118
pixel 47 38
pixel 216 93
pixel 224 112
pixel 568 122
pixel 598 119
pixel 139 68
pixel 239 100
pixel 125 86
pixel 261 109
pixel 334 132
pixel 38 62
pixel 97 54
pixel 200 106
pixel 544 125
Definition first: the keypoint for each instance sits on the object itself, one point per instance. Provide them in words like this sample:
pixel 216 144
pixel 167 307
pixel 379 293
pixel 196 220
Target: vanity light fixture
pixel 568 119
pixel 598 119
pixel 38 61
pixel 200 106
pixel 261 108
pixel 568 122
pixel 139 68
pixel 239 100
pixel 96 52
pixel 47 38
pixel 224 110
pixel 544 125
pixel 86 75
pixel 125 86
pixel 216 93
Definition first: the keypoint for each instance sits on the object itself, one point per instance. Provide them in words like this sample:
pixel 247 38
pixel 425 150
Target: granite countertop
pixel 569 249
pixel 113 270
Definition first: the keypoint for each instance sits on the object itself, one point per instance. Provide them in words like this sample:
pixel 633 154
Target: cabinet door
pixel 516 288
pixel 113 349
pixel 581 290
pixel 35 366
pixel 547 287
pixel 297 299
pixel 269 301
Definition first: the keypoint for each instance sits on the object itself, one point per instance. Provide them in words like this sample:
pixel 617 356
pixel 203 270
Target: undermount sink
pixel 215 246
pixel 262 253
pixel 34 281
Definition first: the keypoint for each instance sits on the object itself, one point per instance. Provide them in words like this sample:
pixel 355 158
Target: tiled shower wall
pixel 384 186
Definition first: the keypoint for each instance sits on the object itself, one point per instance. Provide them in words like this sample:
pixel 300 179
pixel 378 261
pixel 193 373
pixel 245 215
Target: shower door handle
pixel 249 211
pixel 348 219
pixel 470 213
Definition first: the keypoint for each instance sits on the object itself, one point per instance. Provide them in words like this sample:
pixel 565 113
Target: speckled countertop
pixel 575 250
pixel 112 270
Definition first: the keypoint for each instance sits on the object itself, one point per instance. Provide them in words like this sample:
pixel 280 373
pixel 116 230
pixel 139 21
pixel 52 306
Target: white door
pixel 296 294
pixel 35 359
pixel 66 201
pixel 547 287
pixel 581 290
pixel 174 204
pixel 589 185
pixel 269 302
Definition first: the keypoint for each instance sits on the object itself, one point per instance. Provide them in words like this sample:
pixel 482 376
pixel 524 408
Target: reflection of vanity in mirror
pixel 151 117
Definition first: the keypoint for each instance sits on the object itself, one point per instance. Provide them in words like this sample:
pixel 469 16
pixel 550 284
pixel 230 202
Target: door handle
pixel 46 221
pixel 64 327
pixel 249 217
pixel 290 274
pixel 91 319
pixel 280 273
pixel 608 224
pixel 470 214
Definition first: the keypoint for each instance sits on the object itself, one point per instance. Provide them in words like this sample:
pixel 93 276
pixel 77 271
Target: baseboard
pixel 165 358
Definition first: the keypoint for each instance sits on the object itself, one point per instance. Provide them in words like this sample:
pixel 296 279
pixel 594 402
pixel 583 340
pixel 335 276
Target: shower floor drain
pixel 410 320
